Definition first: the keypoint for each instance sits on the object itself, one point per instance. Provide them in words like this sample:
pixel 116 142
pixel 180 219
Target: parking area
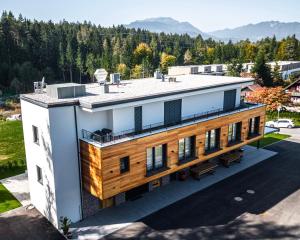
pixel 261 202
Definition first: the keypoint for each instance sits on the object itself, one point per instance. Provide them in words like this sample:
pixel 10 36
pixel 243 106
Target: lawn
pixel 12 151
pixel 270 138
pixel 7 200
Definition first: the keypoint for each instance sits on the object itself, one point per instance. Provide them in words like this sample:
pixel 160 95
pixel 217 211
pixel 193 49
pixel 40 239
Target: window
pixel 234 132
pixel 253 126
pixel 39 174
pixel 212 140
pixel 35 132
pixel 156 157
pixel 124 164
pixel 186 148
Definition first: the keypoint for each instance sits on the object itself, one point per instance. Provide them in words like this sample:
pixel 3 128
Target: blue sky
pixel 207 15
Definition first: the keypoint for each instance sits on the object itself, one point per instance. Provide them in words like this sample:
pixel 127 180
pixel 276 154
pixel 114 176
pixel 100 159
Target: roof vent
pixel 65 90
pixel 172 79
pixel 157 74
pixel 39 86
pixel 115 78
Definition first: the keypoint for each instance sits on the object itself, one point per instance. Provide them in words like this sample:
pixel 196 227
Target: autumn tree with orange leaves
pixel 272 97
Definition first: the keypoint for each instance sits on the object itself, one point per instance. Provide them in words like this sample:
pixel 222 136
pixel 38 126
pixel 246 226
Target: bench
pixel 198 170
pixel 228 158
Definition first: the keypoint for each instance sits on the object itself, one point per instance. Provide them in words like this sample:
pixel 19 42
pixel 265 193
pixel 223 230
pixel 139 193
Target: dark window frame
pixel 126 162
pixel 192 149
pixel 216 147
pixel 39 174
pixel 35 135
pixel 253 125
pixel 154 163
pixel 236 132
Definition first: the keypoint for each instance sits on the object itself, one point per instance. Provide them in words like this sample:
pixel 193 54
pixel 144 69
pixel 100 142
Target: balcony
pixel 110 138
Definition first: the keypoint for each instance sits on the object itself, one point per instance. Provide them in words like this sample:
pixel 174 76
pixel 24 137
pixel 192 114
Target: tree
pixel 272 97
pixel 137 71
pixel 262 70
pixel 92 63
pixel 235 68
pixel 166 60
pixel 70 59
pixel 188 57
pixel 277 76
pixel 62 60
pixel 123 70
pixel 79 62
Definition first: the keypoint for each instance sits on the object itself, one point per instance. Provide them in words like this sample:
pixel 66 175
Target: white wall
pixel 92 121
pixel 123 119
pixel 238 97
pixel 153 113
pixel 56 155
pixel 65 162
pixel 43 197
pixel 202 103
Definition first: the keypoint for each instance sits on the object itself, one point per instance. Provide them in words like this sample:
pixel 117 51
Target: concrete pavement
pixel 112 219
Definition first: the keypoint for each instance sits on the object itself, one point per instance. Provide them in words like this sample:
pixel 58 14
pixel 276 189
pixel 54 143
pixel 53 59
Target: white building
pixel 54 121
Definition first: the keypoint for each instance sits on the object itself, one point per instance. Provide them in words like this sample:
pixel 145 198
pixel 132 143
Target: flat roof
pixel 138 89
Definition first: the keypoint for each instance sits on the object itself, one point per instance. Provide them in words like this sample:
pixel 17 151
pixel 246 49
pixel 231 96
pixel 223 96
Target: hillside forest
pixel 71 52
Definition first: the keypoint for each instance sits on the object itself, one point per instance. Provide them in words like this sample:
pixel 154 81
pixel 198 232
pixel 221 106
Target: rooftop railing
pixel 148 129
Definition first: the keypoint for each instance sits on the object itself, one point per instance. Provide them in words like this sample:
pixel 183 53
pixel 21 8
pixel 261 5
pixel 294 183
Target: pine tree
pixel 262 70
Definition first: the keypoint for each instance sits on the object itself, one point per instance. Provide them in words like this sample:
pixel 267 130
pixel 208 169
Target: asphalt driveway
pixel 272 212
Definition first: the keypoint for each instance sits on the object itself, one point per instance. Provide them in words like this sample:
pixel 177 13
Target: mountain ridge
pixel 251 31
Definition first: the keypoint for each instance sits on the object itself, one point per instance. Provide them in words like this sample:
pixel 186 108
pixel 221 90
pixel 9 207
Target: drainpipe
pixel 79 163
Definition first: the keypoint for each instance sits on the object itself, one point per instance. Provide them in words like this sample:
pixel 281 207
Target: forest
pixel 71 52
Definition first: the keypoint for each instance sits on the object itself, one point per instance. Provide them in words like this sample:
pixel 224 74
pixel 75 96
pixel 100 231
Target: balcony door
pixel 229 100
pixel 138 119
pixel 172 111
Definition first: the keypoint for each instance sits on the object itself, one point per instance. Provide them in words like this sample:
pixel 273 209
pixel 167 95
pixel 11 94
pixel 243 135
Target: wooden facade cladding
pixel 101 166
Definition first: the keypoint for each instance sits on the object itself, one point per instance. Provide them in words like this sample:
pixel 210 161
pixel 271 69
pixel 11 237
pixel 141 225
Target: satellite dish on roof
pixel 100 74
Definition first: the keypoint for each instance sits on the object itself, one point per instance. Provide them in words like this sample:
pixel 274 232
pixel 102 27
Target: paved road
pixel 273 212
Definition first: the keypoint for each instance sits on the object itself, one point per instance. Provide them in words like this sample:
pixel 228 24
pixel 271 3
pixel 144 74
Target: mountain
pixel 260 30
pixel 167 25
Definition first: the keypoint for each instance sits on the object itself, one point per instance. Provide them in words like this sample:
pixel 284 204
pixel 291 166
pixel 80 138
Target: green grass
pixel 7 200
pixel 270 138
pixel 12 150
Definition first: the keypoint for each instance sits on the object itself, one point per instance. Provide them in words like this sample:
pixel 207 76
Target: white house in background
pixel 286 68
pixel 212 69
pixel 87 146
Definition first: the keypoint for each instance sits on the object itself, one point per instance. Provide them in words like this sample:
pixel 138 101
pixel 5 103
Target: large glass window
pixel 156 157
pixel 186 149
pixel 234 132
pixel 254 126
pixel 212 140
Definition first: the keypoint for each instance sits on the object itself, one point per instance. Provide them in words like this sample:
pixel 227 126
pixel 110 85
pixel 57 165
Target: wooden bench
pixel 208 167
pixel 228 158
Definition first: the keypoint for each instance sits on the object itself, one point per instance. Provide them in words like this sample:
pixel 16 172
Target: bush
pixel 295 116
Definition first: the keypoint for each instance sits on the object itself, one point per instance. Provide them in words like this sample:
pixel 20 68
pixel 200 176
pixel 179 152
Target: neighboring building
pixel 212 69
pixel 246 92
pixel 294 90
pixel 286 68
pixel 89 146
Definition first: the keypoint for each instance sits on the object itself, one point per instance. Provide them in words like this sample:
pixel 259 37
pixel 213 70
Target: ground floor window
pixel 156 157
pixel 212 140
pixel 186 148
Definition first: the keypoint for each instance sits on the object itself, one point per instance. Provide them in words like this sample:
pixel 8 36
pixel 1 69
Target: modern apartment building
pixel 94 146
pixel 212 69
pixel 286 68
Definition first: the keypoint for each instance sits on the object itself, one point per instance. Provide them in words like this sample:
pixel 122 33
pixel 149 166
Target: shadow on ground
pixel 214 214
